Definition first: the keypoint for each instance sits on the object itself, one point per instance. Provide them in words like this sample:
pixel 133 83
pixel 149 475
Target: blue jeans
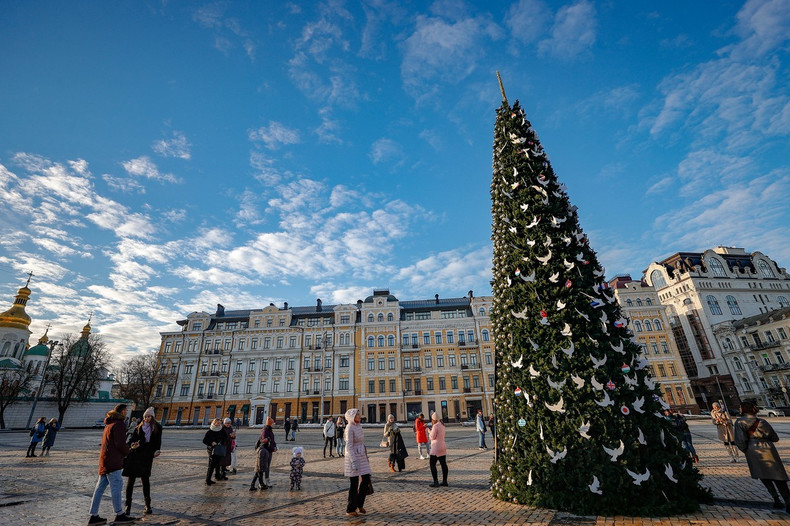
pixel 481 442
pixel 115 481
pixel 341 445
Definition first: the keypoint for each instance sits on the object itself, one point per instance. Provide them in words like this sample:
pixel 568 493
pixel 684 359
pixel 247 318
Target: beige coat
pixel 723 425
pixel 761 455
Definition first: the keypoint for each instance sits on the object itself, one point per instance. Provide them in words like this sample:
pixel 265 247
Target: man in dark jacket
pixel 113 451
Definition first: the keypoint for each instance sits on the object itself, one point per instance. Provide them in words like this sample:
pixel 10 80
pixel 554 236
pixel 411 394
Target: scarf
pixel 147 429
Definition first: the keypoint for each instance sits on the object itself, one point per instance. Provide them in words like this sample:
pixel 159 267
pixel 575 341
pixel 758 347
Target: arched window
pixel 730 347
pixel 737 363
pixel 370 317
pixel 783 301
pixel 657 279
pixel 637 326
pixel 765 270
pixel 482 311
pixel 381 317
pixel 657 325
pixel 6 349
pixel 648 326
pixel 371 341
pixel 638 302
pixel 389 316
pixel 485 335
pixel 713 305
pixel 717 268
pixel 629 302
pixel 381 341
pixel 390 340
pixel 648 301
pixel 732 303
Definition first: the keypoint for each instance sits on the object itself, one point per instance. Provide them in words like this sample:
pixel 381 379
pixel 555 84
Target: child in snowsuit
pixel 297 467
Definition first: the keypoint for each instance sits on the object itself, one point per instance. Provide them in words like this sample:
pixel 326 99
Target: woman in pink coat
pixel 356 464
pixel 438 451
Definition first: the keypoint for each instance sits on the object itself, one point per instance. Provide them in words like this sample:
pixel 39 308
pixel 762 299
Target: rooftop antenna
pixel 502 88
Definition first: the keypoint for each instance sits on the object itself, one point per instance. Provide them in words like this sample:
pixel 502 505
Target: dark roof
pixel 307 311
pixel 771 315
pixel 442 303
pixel 687 260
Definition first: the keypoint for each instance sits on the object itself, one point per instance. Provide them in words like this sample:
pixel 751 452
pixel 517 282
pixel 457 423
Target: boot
pixel 148 510
pixel 128 509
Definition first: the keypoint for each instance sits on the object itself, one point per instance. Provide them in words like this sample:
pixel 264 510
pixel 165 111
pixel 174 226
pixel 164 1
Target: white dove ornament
pixel 578 380
pixel 606 400
pixel 670 473
pixel 641 437
pixel 532 372
pixel 518 363
pixel 584 429
pixel 595 487
pixel 554 457
pixel 556 408
pixel 566 330
pixel 638 478
pixel 615 453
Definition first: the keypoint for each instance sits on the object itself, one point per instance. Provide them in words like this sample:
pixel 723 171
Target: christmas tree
pixel 580 422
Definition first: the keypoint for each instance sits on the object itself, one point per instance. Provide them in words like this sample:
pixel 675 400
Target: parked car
pixel 98 423
pixel 769 412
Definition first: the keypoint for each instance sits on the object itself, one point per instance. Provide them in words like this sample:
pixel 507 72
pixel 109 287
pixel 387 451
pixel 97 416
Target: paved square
pixel 57 489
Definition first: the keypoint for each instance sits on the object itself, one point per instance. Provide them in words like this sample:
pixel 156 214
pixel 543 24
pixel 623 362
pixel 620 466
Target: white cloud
pixel 144 167
pixel 248 213
pixel 178 146
pixel 123 184
pixel 764 26
pixel 213 276
pixel 386 150
pixel 327 131
pixel 450 271
pixel 335 295
pixel 573 32
pixel 274 135
pixel 527 20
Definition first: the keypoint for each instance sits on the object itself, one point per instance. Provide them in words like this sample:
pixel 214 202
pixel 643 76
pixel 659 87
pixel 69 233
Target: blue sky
pixel 157 158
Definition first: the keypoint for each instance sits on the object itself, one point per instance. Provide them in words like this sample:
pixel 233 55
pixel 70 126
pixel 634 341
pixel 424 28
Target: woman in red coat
pixel 421 434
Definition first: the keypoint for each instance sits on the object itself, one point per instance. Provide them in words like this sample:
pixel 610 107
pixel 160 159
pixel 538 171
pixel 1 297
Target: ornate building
pixel 381 355
pixel 703 289
pixel 650 326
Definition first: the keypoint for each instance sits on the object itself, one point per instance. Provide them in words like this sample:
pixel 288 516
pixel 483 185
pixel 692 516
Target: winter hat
pixel 270 421
pixel 297 450
pixel 435 416
pixel 351 414
pixel 227 420
pixel 150 412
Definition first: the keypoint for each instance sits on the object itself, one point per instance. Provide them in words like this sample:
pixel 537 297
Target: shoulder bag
pixel 219 450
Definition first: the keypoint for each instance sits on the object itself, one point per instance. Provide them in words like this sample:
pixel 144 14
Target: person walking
pixel 329 435
pixel 148 434
pixel 723 422
pixel 227 460
pixel 386 441
pixel 287 427
pixel 36 435
pixel 111 455
pixel 421 436
pixel 51 431
pixel 398 451
pixel 356 465
pixel 216 440
pixel 683 432
pixel 238 424
pixel 340 429
pixel 294 429
pixel 755 437
pixel 265 448
pixel 480 426
pixel 438 450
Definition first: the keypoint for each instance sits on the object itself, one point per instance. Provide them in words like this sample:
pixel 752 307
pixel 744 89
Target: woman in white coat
pixel 356 465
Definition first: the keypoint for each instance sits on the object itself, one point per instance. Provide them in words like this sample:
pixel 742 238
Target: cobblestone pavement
pixel 57 489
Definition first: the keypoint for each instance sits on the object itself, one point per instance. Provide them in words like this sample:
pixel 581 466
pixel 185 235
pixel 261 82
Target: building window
pixel 454 382
pixel 451 360
pixel 654 346
pixel 482 311
pixel 732 303
pixel 426 339
pixel 184 389
pixel 414 339
pixel 491 380
pixel 407 363
pixel 428 361
pixel 438 337
pixel 717 268
pixel 648 301
pixel 392 385
pixel 389 316
pixel 713 305
pixel 371 386
pixel 391 363
pixel 429 384
pixel 405 339
pixel 665 347
pixel 442 383
pixel 439 360
pixel 371 341
pixel 779 357
pixel 661 370
pixel 648 325
pixel 486 337
pixel 489 358
pixel 782 334
pixel 391 340
pixel 637 326
pixel 746 385
pixel 370 318
pixel 672 370
pixel 638 302
pixel 343 384
pixel 343 360
pixel 449 337
pixel 381 363
pixel 657 325
pixel 782 301
pixel 198 325
pixel 765 270
pixel 276 388
pixel 657 278
pixel 371 364
pixel 629 303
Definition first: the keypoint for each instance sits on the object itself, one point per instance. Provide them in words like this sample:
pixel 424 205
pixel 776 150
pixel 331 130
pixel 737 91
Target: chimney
pixel 437 299
pixel 285 305
pixel 471 295
pixel 318 305
pixel 220 310
pixel 359 304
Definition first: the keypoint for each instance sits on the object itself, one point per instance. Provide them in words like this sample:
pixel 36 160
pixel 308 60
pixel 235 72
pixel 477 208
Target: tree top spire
pixel 501 88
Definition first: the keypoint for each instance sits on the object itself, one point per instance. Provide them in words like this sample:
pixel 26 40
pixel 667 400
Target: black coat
pixel 220 437
pixel 139 461
pixel 398 451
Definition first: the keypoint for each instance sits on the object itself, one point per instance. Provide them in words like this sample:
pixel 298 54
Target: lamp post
pixel 41 383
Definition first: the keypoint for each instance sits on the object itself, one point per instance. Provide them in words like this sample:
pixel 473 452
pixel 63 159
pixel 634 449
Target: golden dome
pixel 16 317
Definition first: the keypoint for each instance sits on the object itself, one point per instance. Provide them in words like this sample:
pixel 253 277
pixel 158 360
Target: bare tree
pixel 13 383
pixel 137 378
pixel 76 368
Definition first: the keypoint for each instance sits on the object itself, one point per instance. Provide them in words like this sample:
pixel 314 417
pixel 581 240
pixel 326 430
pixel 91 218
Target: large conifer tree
pixel 580 425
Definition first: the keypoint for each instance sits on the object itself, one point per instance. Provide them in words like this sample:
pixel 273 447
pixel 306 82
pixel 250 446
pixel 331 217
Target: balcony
pixel 775 367
pixel 764 345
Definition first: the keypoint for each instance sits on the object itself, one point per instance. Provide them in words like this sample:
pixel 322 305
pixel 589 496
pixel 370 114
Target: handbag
pixel 219 450
pixel 370 490
pixel 384 443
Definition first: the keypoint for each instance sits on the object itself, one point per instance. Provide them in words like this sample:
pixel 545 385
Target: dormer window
pixel 765 270
pixel 717 268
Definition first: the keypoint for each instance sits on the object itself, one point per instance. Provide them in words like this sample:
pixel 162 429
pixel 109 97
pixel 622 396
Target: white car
pixel 769 412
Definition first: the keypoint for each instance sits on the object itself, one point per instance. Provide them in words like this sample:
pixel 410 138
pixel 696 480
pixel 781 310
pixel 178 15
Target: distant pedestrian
pixel 398 452
pixel 238 423
pixel 36 435
pixel 386 441
pixel 492 427
pixel 287 427
pixel 421 436
pixel 683 432
pixel 340 430
pixel 356 466
pixel 131 425
pixel 148 434
pixel 216 440
pixel 294 429
pixel 297 468
pixel 480 426
pixel 265 448
pixel 227 460
pixel 724 427
pixel 51 431
pixel 755 437
pixel 329 435
pixel 438 450
pixel 111 456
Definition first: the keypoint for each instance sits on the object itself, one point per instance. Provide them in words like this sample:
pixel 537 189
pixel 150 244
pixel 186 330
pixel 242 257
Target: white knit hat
pixel 227 420
pixel 150 412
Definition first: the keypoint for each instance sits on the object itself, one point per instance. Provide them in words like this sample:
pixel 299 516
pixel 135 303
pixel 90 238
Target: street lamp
pixel 41 383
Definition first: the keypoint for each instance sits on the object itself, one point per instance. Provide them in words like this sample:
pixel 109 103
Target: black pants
pixel 329 441
pixel 443 461
pixel 781 485
pixel 357 491
pixel 213 465
pixel 146 490
pixel 31 450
